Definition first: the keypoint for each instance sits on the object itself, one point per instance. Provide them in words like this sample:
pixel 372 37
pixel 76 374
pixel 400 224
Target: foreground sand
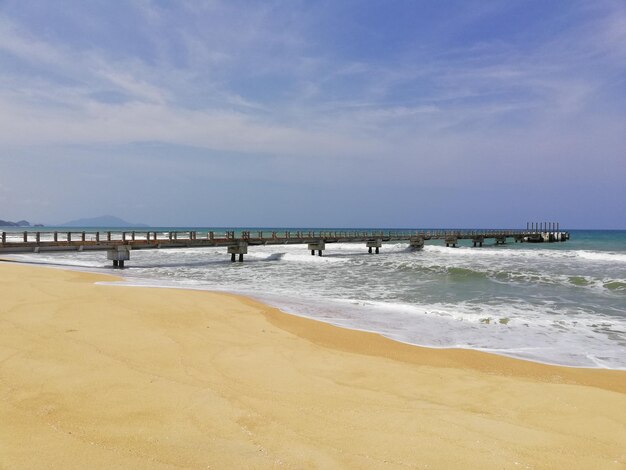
pixel 98 376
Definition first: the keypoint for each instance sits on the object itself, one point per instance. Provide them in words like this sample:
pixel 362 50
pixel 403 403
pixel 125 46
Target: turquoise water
pixel 562 303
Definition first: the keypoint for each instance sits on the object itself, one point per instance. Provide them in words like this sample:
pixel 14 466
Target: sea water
pixel 560 303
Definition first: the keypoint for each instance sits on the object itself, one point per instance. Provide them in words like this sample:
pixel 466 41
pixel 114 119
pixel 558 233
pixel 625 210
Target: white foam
pixel 604 256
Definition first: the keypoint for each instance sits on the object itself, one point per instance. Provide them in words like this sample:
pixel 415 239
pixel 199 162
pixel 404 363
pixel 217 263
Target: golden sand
pixel 100 376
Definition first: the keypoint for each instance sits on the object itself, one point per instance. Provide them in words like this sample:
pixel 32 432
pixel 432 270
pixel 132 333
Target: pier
pixel 119 244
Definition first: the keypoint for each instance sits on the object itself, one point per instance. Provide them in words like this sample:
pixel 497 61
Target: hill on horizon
pixel 102 221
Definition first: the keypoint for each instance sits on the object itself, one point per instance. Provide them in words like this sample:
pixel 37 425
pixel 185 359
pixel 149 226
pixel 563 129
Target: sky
pixel 337 113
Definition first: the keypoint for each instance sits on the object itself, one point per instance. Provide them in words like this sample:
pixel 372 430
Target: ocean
pixel 558 303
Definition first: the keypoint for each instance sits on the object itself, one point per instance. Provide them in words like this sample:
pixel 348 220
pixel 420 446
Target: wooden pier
pixel 119 244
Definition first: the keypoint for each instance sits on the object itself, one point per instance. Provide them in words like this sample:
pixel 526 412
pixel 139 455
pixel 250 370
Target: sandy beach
pixel 103 376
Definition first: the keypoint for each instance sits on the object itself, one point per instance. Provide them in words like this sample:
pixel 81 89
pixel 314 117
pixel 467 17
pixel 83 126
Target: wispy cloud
pixel 279 80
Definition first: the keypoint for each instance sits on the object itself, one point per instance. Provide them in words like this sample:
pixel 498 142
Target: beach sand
pixel 102 376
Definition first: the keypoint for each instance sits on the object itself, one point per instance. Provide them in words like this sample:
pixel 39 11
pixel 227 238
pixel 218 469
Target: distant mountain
pixel 104 221
pixel 21 223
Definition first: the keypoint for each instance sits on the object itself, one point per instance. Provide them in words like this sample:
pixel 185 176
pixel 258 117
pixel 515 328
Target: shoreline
pixel 93 375
pixel 121 281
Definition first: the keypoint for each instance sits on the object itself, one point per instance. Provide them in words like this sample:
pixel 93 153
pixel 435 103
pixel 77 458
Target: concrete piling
pixel 240 249
pixel 416 243
pixel 118 255
pixel 376 244
pixel 318 246
pixel 451 240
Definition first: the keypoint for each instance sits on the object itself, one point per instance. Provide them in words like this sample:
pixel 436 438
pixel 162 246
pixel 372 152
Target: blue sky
pixel 314 113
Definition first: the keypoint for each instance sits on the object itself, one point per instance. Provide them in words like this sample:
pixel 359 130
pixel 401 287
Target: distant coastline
pixel 21 223
pixel 102 221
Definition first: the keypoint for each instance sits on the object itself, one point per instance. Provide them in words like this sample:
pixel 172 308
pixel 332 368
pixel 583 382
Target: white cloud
pixel 320 106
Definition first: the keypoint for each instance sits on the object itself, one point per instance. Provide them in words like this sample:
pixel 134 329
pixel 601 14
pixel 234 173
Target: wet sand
pixel 101 376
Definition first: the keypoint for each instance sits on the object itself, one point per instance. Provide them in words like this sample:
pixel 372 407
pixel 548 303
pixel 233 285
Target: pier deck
pixel 118 244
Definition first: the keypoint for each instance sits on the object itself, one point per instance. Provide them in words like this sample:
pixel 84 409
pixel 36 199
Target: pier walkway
pixel 119 244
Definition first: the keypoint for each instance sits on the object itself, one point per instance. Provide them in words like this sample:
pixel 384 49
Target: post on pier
pixel 97 237
pixel 4 237
pixel 37 237
pixel 25 237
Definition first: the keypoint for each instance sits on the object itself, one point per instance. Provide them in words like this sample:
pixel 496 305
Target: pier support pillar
pixel 376 244
pixel 118 255
pixel 318 246
pixel 478 241
pixel 240 249
pixel 417 243
pixel 451 241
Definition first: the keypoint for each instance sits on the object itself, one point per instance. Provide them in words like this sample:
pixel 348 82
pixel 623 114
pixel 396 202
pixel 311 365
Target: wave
pixel 515 329
pixel 615 285
pixel 608 256
pixel 465 274
pixel 524 253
